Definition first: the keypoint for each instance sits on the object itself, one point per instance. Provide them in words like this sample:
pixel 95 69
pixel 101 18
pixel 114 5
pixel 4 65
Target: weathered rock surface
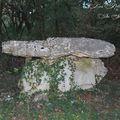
pixel 26 49
pixel 56 47
pixel 66 73
pixel 81 47
pixel 71 63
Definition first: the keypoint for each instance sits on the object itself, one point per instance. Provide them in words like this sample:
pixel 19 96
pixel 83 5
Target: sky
pixel 108 1
pixel 88 5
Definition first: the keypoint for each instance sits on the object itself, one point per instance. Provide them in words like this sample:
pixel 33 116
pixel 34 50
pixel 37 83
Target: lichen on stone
pixel 83 63
pixel 61 75
pixel 42 74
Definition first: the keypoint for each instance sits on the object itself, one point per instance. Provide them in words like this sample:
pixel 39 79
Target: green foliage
pixel 69 106
pixel 52 72
pixel 61 109
pixel 25 20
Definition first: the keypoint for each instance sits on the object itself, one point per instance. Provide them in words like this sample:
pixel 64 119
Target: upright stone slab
pixel 66 73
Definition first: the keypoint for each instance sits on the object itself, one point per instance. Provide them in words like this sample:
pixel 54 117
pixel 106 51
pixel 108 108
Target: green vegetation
pixel 39 19
pixel 26 20
pixel 48 71
pixel 60 109
pixel 99 103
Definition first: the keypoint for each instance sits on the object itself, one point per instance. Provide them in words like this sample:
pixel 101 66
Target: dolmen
pixel 60 63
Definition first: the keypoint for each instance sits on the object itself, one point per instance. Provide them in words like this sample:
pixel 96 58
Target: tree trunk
pixel 40 19
pixel 1 5
pixel 56 19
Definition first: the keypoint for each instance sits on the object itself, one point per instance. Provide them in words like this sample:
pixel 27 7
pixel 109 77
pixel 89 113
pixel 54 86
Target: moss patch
pixel 83 63
pixel 51 72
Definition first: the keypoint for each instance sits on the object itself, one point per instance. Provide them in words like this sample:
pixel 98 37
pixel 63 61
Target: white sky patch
pixel 87 5
pixel 107 2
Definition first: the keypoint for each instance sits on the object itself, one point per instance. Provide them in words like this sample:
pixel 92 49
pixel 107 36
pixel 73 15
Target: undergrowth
pixel 73 105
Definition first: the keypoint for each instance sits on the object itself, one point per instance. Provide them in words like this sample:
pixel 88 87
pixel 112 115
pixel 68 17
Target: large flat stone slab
pixel 26 48
pixel 81 47
pixel 60 46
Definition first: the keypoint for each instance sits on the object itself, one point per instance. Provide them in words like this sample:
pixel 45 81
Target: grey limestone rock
pixel 26 48
pixel 71 62
pixel 83 73
pixel 60 46
pixel 81 47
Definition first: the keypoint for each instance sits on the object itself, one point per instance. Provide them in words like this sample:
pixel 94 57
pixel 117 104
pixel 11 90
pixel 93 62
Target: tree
pixel 39 19
pixel 1 20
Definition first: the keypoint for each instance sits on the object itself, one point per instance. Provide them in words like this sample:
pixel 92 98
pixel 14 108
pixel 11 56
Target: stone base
pixel 62 74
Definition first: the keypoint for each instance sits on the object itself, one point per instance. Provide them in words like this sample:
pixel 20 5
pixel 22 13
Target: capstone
pixel 56 47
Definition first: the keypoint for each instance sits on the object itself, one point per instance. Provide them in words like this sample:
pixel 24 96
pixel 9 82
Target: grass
pixel 59 109
pixel 74 105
